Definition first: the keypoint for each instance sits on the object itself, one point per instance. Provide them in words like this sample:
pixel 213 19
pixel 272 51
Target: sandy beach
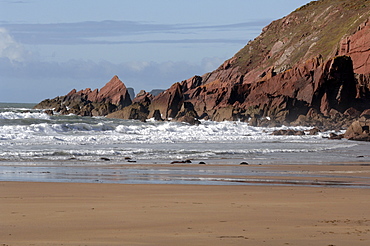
pixel 116 214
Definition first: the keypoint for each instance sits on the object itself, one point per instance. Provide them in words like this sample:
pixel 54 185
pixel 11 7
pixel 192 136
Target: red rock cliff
pixel 307 62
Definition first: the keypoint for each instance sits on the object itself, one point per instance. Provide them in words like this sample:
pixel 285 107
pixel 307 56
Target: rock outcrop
pixel 308 68
pixel 112 97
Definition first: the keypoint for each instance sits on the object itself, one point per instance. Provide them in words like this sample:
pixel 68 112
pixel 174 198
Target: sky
pixel 49 47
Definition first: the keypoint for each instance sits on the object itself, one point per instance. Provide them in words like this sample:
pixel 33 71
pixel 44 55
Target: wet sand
pixel 122 214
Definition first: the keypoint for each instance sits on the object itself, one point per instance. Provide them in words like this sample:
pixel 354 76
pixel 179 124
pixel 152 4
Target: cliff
pixel 308 68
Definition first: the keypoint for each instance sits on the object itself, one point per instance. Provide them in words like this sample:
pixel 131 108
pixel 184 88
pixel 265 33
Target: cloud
pixel 34 81
pixel 175 41
pixel 102 32
pixel 9 48
pixel 26 77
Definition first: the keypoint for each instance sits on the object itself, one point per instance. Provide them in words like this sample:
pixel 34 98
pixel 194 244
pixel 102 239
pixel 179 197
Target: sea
pixel 38 147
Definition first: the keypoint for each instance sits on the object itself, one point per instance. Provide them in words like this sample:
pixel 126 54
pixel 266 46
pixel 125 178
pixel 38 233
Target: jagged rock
pixel 192 83
pixel 143 97
pixel 113 96
pixel 114 92
pixel 293 73
pixel 295 83
pixel 283 97
pixel 168 102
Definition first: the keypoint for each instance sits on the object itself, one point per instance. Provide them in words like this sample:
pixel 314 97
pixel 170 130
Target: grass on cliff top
pixel 323 22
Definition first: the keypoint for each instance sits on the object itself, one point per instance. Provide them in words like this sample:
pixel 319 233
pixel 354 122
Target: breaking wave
pixel 25 115
pixel 30 135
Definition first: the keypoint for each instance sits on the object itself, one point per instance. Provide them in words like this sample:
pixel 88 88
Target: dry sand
pixel 116 214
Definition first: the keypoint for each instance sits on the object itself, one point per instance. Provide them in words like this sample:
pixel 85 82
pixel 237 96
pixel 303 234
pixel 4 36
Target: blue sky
pixel 48 47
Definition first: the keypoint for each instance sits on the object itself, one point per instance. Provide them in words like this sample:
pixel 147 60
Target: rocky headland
pixel 112 97
pixel 309 68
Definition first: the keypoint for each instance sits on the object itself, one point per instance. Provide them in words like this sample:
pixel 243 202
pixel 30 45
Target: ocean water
pixel 37 147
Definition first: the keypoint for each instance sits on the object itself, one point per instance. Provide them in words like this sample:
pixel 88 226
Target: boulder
pixel 136 111
pixel 361 137
pixel 358 130
pixel 288 132
pixel 334 136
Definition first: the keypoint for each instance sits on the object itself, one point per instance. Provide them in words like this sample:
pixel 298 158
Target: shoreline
pixel 121 214
pixel 338 174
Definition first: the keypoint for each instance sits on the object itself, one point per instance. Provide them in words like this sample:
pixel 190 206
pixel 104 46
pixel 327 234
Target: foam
pixel 24 115
pixel 87 138
pixel 168 132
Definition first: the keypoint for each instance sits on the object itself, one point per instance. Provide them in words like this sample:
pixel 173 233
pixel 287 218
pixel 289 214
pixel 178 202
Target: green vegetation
pixel 313 29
